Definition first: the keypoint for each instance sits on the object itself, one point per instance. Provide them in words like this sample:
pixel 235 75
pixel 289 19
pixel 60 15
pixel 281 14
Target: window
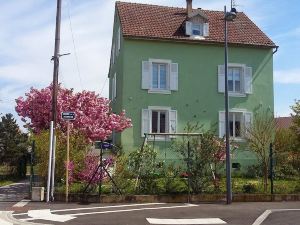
pixel 159 76
pixel 238 121
pixel 239 79
pixel 158 119
pixel 235 124
pixel 113 54
pixel 234 79
pixel 196 29
pixel 119 40
pixel 114 87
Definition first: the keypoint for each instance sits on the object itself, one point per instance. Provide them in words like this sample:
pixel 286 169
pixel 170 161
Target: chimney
pixel 189 7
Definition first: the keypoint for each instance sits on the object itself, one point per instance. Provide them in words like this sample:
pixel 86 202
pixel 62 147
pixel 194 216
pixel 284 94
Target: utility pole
pixel 55 58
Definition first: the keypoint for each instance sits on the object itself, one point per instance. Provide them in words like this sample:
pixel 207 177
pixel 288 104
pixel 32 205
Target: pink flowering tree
pixel 90 172
pixel 94 117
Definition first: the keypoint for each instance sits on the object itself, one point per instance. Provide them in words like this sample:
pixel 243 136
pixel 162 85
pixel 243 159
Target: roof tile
pixel 161 22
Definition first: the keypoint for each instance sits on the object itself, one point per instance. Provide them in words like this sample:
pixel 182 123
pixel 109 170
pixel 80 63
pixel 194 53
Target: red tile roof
pixel 161 22
pixel 284 122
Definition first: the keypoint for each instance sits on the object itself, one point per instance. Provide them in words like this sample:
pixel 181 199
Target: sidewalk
pixel 14 192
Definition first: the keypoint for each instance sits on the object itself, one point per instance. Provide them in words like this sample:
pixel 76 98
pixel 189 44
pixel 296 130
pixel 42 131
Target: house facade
pixel 167 69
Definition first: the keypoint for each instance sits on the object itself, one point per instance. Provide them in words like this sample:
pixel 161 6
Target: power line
pixel 74 46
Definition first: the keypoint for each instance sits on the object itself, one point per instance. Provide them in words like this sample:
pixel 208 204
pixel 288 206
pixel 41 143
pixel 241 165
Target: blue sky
pixel 27 41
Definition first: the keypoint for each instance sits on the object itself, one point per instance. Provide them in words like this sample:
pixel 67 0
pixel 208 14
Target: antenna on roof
pixel 234 4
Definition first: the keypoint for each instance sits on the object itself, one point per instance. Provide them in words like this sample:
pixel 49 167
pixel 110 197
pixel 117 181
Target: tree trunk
pixel 265 177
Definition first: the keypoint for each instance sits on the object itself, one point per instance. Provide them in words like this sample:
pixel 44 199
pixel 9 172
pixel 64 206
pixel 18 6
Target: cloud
pixel 291 76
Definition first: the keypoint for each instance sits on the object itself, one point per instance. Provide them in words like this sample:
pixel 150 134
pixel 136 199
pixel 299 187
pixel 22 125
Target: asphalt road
pixel 137 214
pixel 14 192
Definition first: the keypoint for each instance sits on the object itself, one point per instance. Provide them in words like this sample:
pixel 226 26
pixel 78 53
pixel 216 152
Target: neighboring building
pixel 167 69
pixel 284 122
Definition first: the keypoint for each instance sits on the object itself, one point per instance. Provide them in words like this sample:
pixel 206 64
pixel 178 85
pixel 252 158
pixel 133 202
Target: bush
pixel 285 171
pixel 253 171
pixel 297 189
pixel 145 167
pixel 249 188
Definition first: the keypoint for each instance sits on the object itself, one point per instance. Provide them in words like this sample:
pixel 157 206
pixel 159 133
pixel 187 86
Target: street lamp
pixel 228 16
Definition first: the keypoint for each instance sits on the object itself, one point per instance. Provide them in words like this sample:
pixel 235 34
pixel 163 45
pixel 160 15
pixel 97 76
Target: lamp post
pixel 228 16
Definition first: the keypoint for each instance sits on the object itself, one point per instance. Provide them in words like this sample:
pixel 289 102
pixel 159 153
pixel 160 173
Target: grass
pixel 5 182
pixel 178 185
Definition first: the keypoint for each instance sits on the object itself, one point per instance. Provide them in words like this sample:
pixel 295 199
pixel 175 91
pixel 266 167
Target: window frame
pixel 200 30
pixel 114 87
pixel 242 92
pixel 159 112
pixel 243 125
pixel 167 90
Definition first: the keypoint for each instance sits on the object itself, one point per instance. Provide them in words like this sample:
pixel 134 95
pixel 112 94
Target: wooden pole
pixel 68 161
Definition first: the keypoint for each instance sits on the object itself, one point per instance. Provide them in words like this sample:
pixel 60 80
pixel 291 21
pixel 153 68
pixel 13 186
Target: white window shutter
pixel 188 28
pixel 222 125
pixel 205 29
pixel 247 121
pixel 248 80
pixel 221 78
pixel 173 121
pixel 146 75
pixel 145 122
pixel 174 77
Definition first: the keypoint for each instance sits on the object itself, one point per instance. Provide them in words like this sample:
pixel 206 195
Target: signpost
pixel 68 116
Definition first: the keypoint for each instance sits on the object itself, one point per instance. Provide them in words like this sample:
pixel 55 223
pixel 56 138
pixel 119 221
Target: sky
pixel 27 44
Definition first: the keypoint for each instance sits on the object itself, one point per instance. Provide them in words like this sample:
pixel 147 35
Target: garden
pixel 197 166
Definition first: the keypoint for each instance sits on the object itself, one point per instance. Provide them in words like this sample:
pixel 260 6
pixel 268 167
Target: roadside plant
pixel 90 172
pixel 259 135
pixel 203 154
pixel 145 166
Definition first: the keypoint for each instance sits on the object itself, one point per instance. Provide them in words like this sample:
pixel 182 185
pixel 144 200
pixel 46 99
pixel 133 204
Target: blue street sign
pixel 68 115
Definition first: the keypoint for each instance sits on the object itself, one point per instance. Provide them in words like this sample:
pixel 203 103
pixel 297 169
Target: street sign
pixel 103 145
pixel 68 115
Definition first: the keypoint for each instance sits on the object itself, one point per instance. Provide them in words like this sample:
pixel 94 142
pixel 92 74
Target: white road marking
pixel 3 221
pixel 98 207
pixel 266 213
pixel 186 221
pixel 21 203
pixel 6 218
pixel 45 214
pixel 138 209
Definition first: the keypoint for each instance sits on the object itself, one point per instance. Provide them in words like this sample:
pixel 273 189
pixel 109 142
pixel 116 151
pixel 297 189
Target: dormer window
pixel 196 29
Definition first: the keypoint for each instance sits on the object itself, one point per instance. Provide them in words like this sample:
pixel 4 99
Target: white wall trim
pixel 167 108
pixel 167 61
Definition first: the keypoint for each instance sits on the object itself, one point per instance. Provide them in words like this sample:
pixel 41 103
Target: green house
pixel 167 69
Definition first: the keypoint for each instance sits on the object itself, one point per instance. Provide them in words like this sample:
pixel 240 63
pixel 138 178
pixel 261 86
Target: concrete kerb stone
pixel 179 198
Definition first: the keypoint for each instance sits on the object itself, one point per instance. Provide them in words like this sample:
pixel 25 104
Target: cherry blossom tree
pixel 94 117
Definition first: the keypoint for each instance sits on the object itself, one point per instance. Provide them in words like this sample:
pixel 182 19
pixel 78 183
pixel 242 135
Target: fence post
pixel 271 170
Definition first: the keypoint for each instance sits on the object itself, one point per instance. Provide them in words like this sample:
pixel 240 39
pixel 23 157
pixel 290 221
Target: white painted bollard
pixel 37 194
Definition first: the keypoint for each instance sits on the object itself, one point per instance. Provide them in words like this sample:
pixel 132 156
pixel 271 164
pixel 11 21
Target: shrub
pixel 253 171
pixel 297 189
pixel 249 188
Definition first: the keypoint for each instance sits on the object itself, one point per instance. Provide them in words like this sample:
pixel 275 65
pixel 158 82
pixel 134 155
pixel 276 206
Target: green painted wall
pixel 198 98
